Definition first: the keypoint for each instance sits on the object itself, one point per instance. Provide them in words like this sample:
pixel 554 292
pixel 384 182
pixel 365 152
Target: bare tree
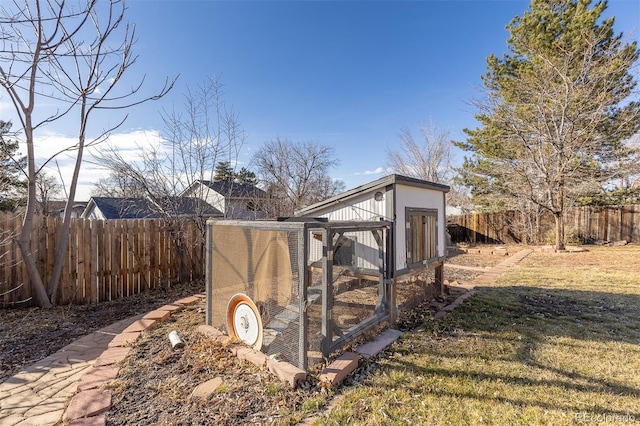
pixel 208 132
pixel 47 188
pixel 295 175
pixel 144 176
pixel 117 185
pixel 75 55
pixel 196 138
pixel 429 158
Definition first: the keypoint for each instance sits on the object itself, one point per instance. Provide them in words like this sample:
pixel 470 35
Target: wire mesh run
pixel 316 285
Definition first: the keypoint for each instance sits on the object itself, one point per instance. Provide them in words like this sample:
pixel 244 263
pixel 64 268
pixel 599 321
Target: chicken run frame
pixel 301 288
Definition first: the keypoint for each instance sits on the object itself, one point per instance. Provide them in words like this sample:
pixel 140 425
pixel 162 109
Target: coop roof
pixel 384 182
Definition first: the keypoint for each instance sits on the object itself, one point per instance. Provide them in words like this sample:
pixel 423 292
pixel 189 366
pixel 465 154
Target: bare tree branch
pixel 295 174
pixel 76 55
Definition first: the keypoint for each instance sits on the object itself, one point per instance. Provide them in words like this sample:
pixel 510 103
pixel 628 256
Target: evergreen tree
pixel 556 110
pixel 224 172
pixel 246 176
pixel 12 164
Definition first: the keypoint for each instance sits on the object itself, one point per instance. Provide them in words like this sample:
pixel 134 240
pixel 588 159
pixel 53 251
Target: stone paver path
pixel 485 279
pixel 37 395
pixel 490 274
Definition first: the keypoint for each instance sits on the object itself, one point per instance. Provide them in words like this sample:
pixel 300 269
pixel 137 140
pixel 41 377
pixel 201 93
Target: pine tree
pixel 12 164
pixel 224 172
pixel 246 176
pixel 556 110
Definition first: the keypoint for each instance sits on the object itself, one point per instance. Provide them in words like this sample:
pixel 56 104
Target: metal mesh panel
pixel 261 263
pixel 355 280
pixel 415 289
pixel 314 297
pixel 336 269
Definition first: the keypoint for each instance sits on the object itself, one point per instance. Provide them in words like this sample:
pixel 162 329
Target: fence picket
pixel 70 278
pixel 105 260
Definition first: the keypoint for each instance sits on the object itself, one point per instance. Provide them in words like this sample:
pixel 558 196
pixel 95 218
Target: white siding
pixel 95 213
pixel 207 194
pixel 365 249
pixel 408 196
pixel 364 207
pixel 215 199
pixel 361 208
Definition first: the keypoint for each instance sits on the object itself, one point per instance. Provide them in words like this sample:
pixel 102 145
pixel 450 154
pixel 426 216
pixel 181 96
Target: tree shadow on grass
pixel 526 320
pixel 538 312
pixel 518 381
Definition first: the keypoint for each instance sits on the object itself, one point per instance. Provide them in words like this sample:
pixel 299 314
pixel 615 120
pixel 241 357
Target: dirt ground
pixel 155 381
pixel 28 335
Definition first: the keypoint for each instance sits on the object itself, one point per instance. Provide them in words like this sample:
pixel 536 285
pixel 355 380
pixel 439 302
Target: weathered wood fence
pixel 105 259
pixel 588 224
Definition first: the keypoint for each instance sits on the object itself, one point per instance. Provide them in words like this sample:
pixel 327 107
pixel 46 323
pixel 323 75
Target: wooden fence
pixel 105 259
pixel 587 224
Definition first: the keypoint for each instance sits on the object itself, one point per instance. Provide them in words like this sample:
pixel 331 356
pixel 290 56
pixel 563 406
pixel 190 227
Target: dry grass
pixel 555 341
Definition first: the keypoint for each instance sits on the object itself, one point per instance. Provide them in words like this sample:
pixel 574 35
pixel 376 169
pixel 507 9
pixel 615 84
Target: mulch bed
pixel 155 383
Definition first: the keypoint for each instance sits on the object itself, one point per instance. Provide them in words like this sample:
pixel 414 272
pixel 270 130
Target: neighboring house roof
pixel 372 186
pixel 142 208
pixel 56 207
pixel 234 189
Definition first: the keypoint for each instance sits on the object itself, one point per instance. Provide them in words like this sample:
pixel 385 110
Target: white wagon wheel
pixel 243 321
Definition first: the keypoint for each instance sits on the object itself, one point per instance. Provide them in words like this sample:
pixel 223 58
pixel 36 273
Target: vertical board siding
pixel 589 224
pixel 105 260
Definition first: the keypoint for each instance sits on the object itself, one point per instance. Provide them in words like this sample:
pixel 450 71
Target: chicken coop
pixel 303 287
pixel 417 244
pixel 297 289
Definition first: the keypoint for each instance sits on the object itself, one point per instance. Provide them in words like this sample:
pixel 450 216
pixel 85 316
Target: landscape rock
pixel 88 403
pixel 206 389
pixel 339 369
pixel 286 372
pixel 211 332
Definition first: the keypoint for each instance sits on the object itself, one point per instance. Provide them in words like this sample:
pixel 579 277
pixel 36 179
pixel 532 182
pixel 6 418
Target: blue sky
pixel 346 74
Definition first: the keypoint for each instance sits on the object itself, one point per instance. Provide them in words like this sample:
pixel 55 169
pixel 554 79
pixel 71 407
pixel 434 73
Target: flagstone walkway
pixel 63 388
pixel 38 395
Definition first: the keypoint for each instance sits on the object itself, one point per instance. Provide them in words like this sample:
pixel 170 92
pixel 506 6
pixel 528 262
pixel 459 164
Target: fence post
pixel 475 227
pixel 94 243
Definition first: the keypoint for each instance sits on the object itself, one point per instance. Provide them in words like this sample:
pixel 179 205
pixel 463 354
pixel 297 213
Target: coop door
pixel 422 235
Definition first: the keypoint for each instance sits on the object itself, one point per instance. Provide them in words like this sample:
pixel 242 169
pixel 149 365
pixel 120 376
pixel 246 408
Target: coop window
pixel 422 235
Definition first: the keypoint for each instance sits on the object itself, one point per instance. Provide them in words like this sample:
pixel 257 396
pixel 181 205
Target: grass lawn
pixel 555 341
